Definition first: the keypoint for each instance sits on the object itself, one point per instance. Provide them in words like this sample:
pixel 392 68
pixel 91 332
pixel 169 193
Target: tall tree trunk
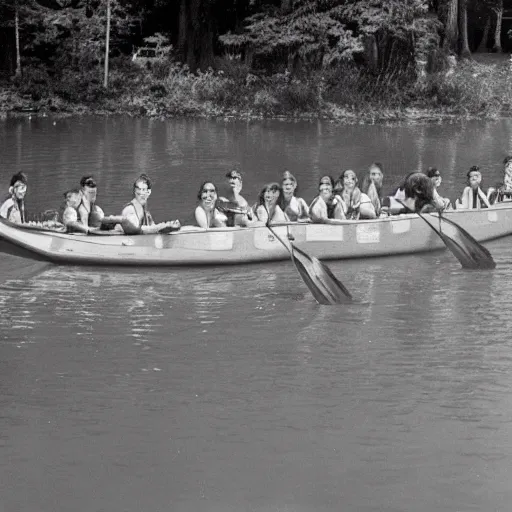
pixel 195 35
pixel 482 47
pixel 465 52
pixel 17 37
pixel 107 46
pixel 451 26
pixel 497 33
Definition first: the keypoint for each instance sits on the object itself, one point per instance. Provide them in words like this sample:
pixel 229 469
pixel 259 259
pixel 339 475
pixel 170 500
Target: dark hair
pixel 473 168
pixel 145 179
pixel 88 181
pixel 19 176
pixel 401 183
pixel 339 185
pixel 71 191
pixel 270 186
pixel 202 186
pixel 377 164
pixel 418 186
pixel 327 180
pixel 507 160
pixel 432 171
pixel 287 175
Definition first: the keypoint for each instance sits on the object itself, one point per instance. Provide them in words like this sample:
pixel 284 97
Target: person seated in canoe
pixel 295 208
pixel 136 217
pixel 356 205
pixel 326 207
pixel 473 196
pixel 13 207
pixel 502 192
pixel 207 214
pixel 418 192
pixel 441 203
pixel 89 213
pixel 392 204
pixel 70 219
pixel 234 201
pixel 269 205
pixel 372 185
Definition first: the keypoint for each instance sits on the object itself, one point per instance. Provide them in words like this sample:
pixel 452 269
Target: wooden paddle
pixel 470 253
pixel 320 280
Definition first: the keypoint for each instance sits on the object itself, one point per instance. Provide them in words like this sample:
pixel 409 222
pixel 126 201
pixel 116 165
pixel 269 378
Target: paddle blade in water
pixel 464 247
pixel 322 283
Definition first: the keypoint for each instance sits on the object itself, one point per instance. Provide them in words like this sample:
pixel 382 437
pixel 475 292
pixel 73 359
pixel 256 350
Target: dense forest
pixel 57 48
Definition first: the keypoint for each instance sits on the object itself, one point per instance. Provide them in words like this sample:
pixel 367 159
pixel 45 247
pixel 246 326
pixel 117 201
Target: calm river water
pixel 228 389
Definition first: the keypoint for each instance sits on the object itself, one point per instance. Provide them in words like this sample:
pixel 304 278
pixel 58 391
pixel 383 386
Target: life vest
pixel 13 210
pixel 331 205
pixel 351 207
pixel 146 219
pixel 473 199
pixel 93 215
pixel 294 209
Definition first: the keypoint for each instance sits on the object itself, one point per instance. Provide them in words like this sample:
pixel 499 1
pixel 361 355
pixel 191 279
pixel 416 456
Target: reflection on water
pixel 229 389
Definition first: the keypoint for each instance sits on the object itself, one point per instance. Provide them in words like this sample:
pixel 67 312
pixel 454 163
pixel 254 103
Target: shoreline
pixel 474 90
pixel 334 114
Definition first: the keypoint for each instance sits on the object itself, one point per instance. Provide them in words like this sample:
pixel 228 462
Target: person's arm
pixel 339 209
pixel 171 225
pixel 262 214
pixel 4 209
pixel 303 209
pixel 70 220
pixel 366 208
pixel 201 218
pixel 466 198
pixel 483 197
pixel 318 211
pixel 82 215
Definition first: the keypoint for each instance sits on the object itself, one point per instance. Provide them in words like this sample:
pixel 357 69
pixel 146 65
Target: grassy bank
pixel 481 87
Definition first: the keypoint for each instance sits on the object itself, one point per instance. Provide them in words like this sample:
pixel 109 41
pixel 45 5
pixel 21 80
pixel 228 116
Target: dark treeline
pixel 60 44
pixel 297 32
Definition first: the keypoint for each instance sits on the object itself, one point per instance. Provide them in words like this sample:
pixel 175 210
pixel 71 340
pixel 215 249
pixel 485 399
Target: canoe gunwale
pixel 193 246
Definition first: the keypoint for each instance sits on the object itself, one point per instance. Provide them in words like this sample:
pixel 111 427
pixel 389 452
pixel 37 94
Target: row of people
pixel 337 200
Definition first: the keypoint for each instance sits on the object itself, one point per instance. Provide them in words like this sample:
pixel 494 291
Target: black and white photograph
pixel 255 255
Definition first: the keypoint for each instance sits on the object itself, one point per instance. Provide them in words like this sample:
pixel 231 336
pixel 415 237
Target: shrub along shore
pixel 473 89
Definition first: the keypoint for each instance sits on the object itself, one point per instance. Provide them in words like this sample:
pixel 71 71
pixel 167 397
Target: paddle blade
pixel 318 277
pixel 470 253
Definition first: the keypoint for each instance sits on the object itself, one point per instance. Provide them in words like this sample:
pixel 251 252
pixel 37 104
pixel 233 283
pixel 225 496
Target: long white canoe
pixel 193 246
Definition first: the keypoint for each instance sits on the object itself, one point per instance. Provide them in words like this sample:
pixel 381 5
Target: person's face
pixel 73 200
pixel 90 193
pixel 475 178
pixel 235 183
pixel 289 187
pixel 271 196
pixel 325 190
pixel 436 180
pixel 508 167
pixel 19 191
pixel 376 175
pixel 349 180
pixel 142 192
pixel 208 195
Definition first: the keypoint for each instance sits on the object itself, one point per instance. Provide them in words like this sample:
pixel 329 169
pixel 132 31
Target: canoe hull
pixel 402 234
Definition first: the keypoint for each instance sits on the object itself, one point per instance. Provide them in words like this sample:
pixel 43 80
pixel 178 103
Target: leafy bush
pixel 35 81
